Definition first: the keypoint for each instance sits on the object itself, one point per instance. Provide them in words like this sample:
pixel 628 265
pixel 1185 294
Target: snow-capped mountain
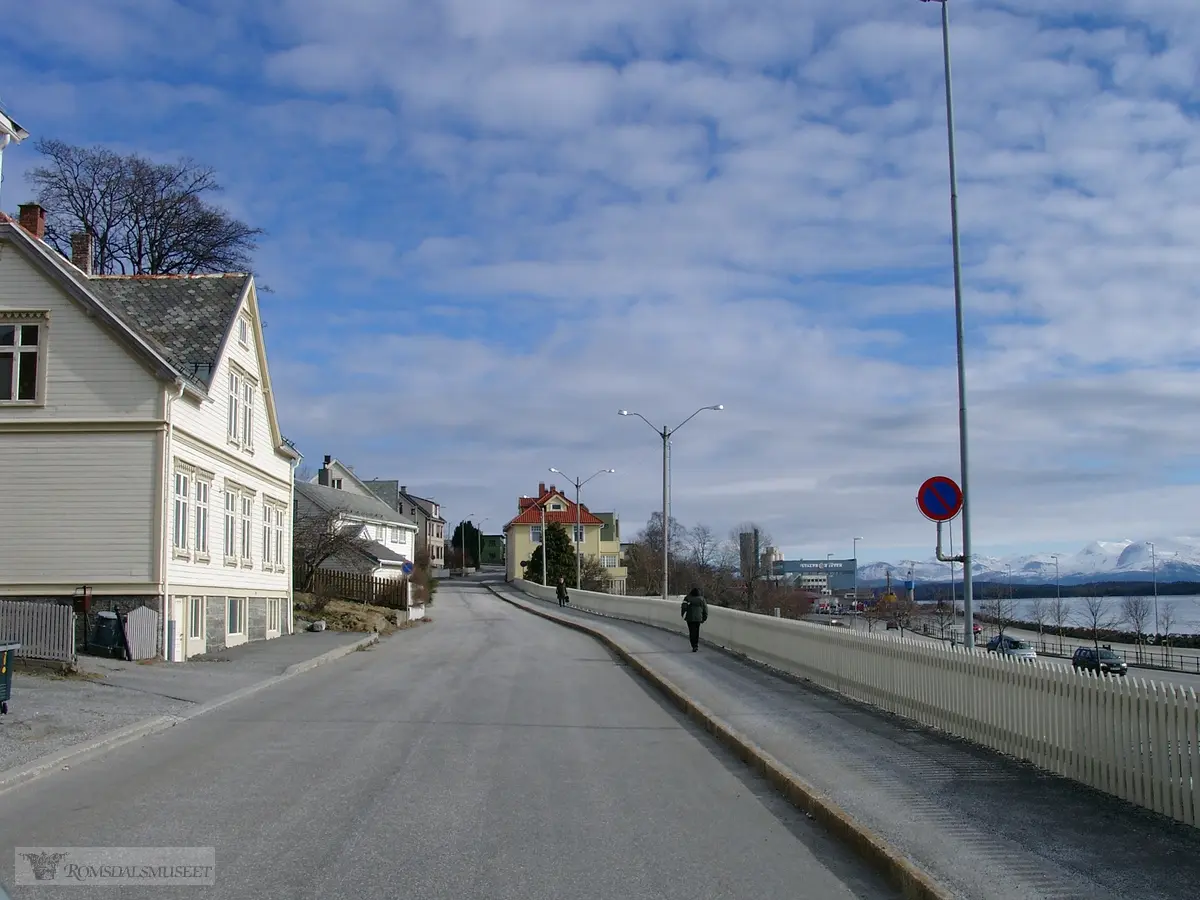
pixel 1175 559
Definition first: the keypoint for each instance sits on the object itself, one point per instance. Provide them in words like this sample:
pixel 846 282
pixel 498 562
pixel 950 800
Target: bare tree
pixel 878 611
pixel 1137 612
pixel 592 575
pixel 1060 612
pixel 145 218
pixel 943 617
pixel 1001 608
pixel 703 546
pixel 1166 620
pixel 304 473
pixel 320 535
pixel 1096 616
pixel 1039 610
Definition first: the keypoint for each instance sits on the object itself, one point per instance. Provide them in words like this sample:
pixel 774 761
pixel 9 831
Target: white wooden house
pixel 348 502
pixel 142 457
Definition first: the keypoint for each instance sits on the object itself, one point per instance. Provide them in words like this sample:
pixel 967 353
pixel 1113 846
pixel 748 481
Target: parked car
pixel 1011 646
pixel 1110 662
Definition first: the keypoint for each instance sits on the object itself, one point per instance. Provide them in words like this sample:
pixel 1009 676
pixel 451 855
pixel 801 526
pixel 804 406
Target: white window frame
pixel 535 534
pixel 268 557
pixel 246 547
pixel 274 614
pixel 203 517
pixel 244 331
pixel 235 403
pixel 229 523
pixel 580 533
pixel 248 395
pixel 17 320
pixel 609 560
pixel 280 559
pixel 235 616
pixel 181 522
pixel 197 615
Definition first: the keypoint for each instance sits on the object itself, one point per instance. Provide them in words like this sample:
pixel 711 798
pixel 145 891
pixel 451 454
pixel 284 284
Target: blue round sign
pixel 407 568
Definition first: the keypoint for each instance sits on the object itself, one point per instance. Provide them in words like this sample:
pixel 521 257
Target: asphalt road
pixel 489 754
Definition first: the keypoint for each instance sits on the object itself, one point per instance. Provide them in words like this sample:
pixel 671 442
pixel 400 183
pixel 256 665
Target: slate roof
pixel 384 554
pixel 330 499
pixel 387 491
pixel 185 317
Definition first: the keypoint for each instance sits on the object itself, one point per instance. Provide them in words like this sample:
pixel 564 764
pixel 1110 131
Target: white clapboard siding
pixel 44 630
pixel 1125 736
pixel 89 375
pixel 78 508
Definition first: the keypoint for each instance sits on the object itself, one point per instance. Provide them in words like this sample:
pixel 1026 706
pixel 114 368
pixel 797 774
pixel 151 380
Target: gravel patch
pixel 50 713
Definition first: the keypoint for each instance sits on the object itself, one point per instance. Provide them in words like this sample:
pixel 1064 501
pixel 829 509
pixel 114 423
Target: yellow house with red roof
pixel 594 535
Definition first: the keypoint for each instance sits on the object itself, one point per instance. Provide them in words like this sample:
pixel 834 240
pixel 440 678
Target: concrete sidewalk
pixel 51 716
pixel 982 826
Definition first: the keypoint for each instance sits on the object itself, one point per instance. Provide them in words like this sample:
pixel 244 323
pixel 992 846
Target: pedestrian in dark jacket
pixel 561 591
pixel 694 612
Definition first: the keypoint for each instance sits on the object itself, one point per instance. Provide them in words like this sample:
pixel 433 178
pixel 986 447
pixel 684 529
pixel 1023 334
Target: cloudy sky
pixel 493 223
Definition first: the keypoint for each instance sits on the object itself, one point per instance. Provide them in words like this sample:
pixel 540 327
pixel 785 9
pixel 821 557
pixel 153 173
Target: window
pixel 268 557
pixel 21 348
pixel 337 483
pixel 273 614
pixel 247 416
pixel 609 561
pixel 244 331
pixel 279 514
pixel 230 523
pixel 235 402
pixel 579 533
pixel 379 533
pixel 247 529
pixel 196 618
pixel 182 494
pixel 396 538
pixel 235 622
pixel 535 533
pixel 556 506
pixel 203 489
pixel 241 409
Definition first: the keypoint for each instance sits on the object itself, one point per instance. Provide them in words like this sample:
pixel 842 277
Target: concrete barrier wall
pixel 1134 739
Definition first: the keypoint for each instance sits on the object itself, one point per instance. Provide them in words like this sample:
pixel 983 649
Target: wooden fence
pixel 1138 740
pixel 44 630
pixel 389 592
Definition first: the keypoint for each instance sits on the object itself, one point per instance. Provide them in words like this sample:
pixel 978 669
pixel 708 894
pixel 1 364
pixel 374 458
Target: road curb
pixel 145 727
pixel 913 882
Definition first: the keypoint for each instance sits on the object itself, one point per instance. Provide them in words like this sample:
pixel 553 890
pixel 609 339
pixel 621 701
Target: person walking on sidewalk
pixel 694 612
pixel 561 590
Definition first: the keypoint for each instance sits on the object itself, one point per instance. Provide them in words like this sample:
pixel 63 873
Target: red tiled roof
pixel 531 513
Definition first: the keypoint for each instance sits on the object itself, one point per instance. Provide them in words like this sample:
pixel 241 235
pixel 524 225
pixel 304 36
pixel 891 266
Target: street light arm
pixel 657 430
pixel 693 415
pixel 601 472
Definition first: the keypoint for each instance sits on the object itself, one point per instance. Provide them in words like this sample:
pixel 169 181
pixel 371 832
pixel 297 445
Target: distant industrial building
pixel 833 576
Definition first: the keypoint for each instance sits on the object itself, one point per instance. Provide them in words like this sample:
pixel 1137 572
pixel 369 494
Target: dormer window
pixel 243 331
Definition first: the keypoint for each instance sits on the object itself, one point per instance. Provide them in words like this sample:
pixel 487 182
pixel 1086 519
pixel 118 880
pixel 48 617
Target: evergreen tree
pixel 560 558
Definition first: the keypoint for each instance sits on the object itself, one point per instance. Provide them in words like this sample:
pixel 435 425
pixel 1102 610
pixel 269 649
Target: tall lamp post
pixel 479 544
pixel 1154 569
pixel 578 524
pixel 856 540
pixel 665 433
pixel 543 508
pixel 968 594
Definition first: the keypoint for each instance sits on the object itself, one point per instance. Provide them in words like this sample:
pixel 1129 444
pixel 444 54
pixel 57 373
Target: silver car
pixel 1011 646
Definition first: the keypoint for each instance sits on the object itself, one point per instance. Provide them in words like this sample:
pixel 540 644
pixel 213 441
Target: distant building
pixel 492 553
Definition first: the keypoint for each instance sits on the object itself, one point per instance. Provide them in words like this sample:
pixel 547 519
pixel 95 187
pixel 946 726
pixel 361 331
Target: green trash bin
pixel 8 655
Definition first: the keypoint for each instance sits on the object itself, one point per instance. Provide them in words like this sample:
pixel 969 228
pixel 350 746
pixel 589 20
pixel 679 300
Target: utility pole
pixel 665 433
pixel 578 520
pixel 968 593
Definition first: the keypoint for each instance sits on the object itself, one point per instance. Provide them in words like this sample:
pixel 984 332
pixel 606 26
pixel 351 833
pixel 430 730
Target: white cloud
pixel 561 209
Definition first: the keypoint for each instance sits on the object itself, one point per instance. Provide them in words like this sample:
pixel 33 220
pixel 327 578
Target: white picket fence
pixel 44 630
pixel 1129 737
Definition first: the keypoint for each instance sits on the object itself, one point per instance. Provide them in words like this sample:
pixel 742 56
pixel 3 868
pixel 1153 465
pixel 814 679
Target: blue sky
pixel 493 223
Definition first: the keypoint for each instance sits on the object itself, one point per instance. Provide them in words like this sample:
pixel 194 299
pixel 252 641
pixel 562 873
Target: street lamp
pixel 968 598
pixel 578 526
pixel 665 433
pixel 856 540
pixel 479 544
pixel 1154 569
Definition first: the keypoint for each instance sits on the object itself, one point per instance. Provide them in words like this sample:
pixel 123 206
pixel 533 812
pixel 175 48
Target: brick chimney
pixel 541 488
pixel 33 219
pixel 82 251
pixel 323 474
